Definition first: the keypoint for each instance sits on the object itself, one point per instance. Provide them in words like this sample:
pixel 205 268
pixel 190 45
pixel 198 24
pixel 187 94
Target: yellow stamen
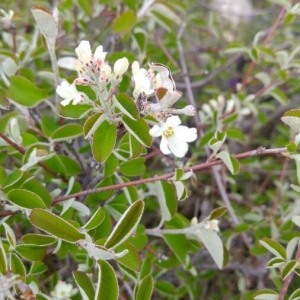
pixel 168 132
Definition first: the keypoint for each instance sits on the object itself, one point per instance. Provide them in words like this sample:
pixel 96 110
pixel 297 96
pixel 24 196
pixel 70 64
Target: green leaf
pixel 67 132
pixel 63 165
pixel 95 220
pixel 139 129
pixel 145 288
pixel 104 141
pixel 292 119
pixel 289 268
pixel 179 245
pixel 126 225
pixel 146 268
pixel 133 167
pixel 38 239
pixel 24 92
pixel 92 123
pixel 280 96
pixel 166 288
pixel 132 259
pixel 266 295
pixel 125 22
pixel 231 162
pixel 107 286
pixel 126 105
pixel 276 262
pixel 110 165
pixel 71 111
pixel 214 246
pixel 295 295
pixel 26 199
pixel 217 213
pixel 3 260
pixel 36 187
pixel 253 53
pixel 31 252
pixel 273 247
pixel 166 197
pixel 85 285
pixel 17 266
pixel 55 225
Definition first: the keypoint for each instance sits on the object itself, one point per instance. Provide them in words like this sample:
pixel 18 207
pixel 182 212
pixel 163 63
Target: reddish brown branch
pixel 201 166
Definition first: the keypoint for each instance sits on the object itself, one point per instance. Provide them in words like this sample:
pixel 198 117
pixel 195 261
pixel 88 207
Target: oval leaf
pixel 26 199
pixel 85 285
pixel 104 141
pixel 31 252
pixel 66 132
pixel 139 129
pixel 145 288
pixel 274 247
pixel 95 220
pixel 107 287
pixel 133 167
pixel 55 225
pixel 126 225
pixel 24 92
pixel 214 246
pixel 125 22
pixel 289 268
pixel 126 105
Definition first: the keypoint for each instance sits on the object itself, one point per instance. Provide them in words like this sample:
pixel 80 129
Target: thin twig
pixel 23 151
pixel 288 280
pixel 166 176
pixel 269 36
pixel 215 171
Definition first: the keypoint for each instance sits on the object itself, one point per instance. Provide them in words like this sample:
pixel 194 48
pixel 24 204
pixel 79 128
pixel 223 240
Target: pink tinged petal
pixel 185 134
pixel 173 121
pixel 155 131
pixel 164 145
pixel 99 54
pixel 177 147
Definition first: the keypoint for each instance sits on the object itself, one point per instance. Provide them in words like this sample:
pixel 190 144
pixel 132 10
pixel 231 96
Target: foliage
pixel 149 150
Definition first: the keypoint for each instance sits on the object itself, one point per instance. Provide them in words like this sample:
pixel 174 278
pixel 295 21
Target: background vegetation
pixel 68 214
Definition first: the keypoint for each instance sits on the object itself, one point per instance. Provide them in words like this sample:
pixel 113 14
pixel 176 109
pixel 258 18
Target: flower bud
pixel 120 67
pixel 189 110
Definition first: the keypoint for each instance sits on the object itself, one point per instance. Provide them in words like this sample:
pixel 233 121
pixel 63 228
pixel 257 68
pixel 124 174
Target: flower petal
pixel 185 134
pixel 177 147
pixel 173 121
pixel 164 145
pixel 155 131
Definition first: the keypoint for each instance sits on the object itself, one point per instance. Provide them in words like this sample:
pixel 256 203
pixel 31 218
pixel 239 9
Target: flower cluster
pixel 174 136
pixel 157 81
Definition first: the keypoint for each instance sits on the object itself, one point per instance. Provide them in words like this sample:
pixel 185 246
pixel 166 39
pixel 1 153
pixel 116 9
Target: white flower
pixel 63 291
pixel 86 58
pixel 143 82
pixel 69 93
pixel 174 137
pixel 6 18
pixel 84 52
pixel 120 67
